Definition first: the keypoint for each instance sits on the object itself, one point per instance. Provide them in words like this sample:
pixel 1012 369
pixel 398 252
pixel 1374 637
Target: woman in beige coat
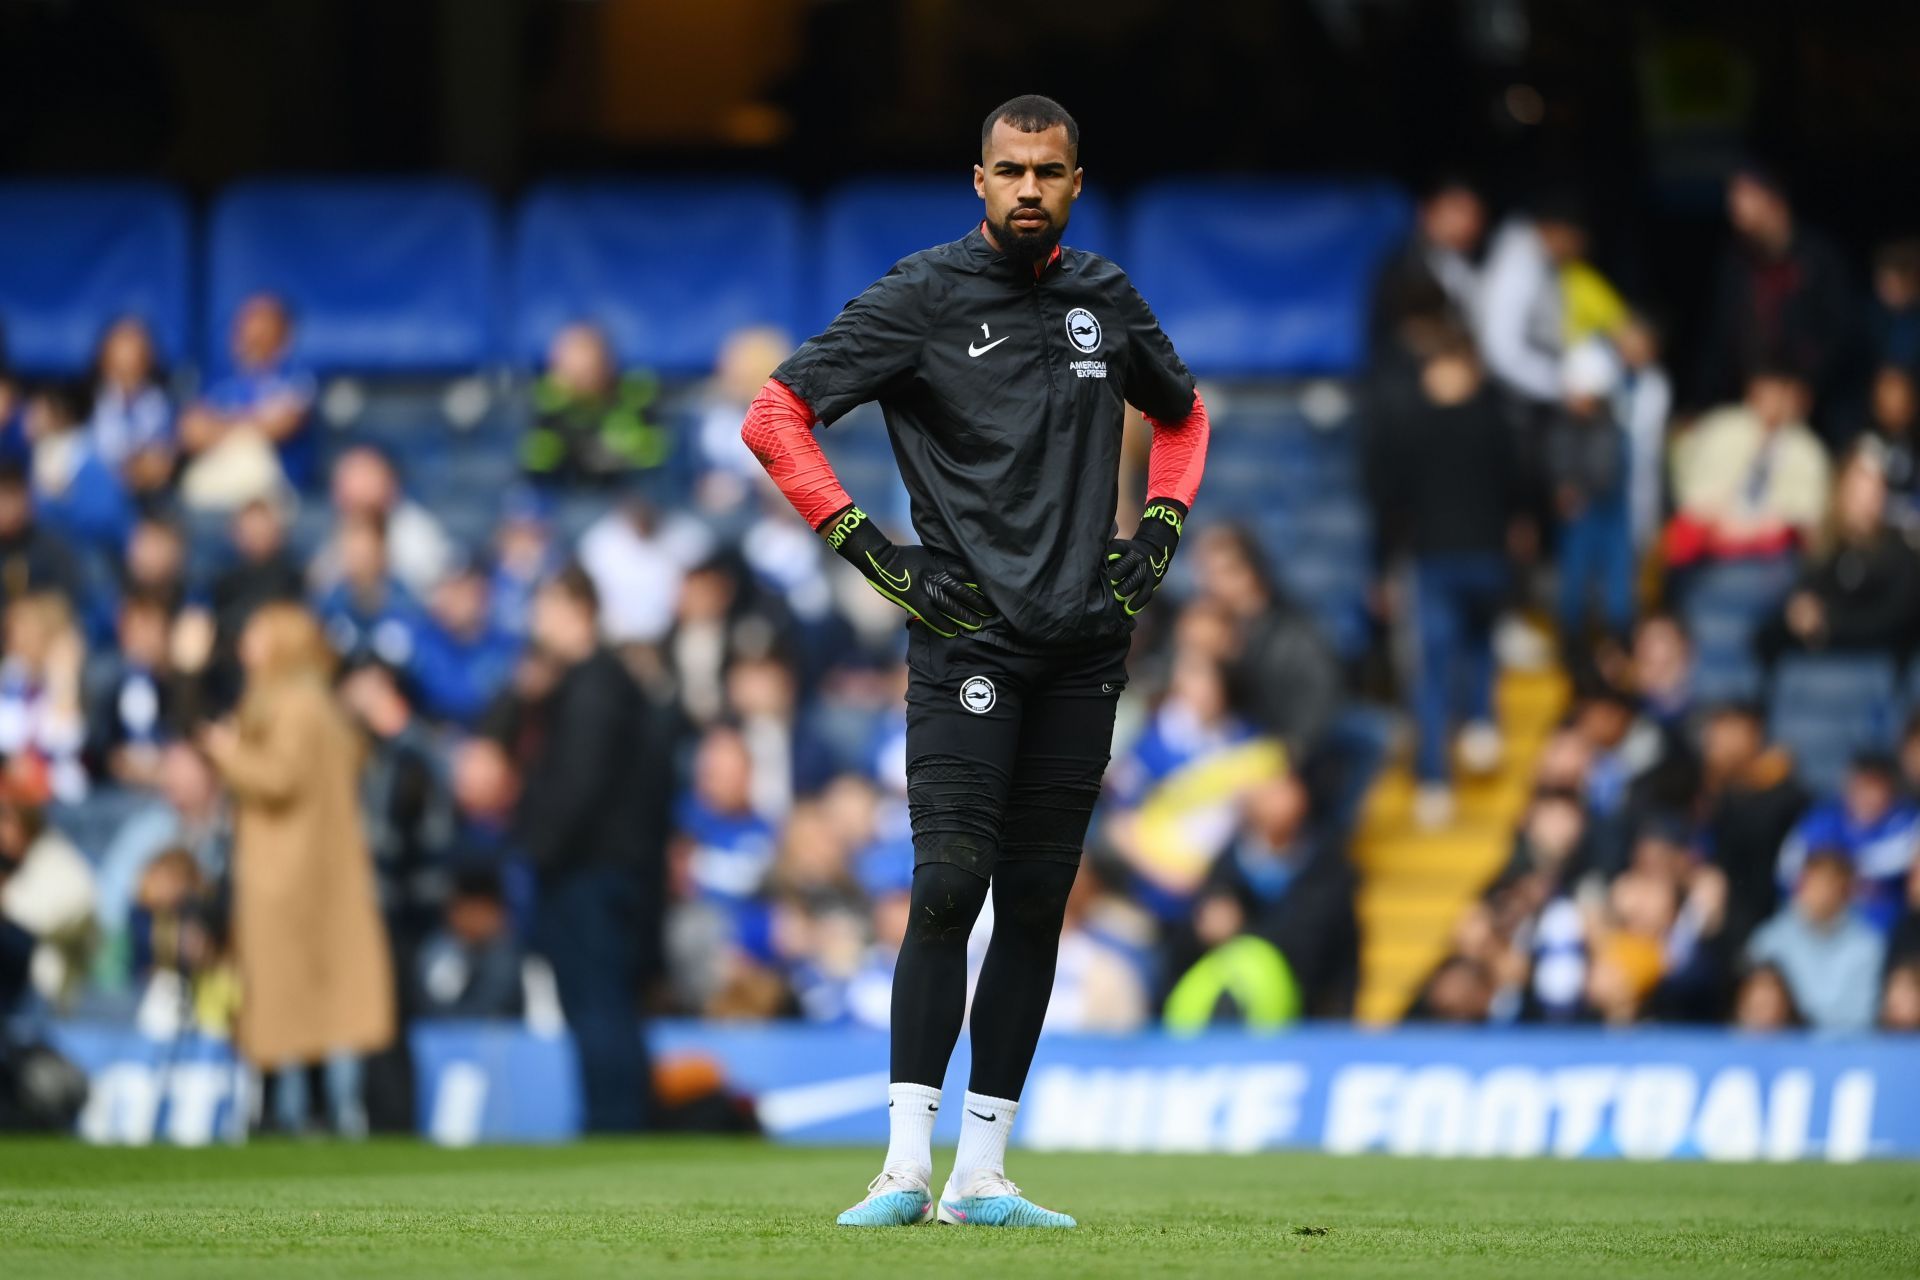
pixel 316 979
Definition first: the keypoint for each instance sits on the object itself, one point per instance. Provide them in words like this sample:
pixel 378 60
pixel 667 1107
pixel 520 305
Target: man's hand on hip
pixel 909 576
pixel 1136 566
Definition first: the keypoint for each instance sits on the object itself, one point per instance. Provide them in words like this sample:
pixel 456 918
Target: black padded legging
pixel 930 983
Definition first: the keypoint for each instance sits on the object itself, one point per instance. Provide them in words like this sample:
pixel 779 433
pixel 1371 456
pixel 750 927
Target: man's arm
pixel 874 340
pixel 1159 385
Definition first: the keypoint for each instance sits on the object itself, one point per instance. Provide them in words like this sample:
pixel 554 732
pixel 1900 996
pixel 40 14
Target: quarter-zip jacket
pixel 1004 390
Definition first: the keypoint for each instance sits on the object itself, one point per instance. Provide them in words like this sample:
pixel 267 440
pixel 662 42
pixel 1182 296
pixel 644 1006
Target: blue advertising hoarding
pixel 1643 1094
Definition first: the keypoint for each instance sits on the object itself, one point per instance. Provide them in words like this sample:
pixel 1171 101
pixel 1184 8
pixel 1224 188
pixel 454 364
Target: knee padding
pixel 1049 805
pixel 956 806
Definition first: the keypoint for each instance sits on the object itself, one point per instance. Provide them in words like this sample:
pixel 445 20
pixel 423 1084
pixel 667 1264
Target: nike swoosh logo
pixel 933 1106
pixel 977 1116
pixel 901 583
pixel 977 352
pixel 1160 565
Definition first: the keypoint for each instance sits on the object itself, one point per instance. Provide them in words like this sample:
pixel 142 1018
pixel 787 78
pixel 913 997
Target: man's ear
pixel 1078 176
pixel 980 182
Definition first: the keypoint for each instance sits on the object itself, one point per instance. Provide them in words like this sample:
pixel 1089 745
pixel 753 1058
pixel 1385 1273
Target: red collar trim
pixel 1039 268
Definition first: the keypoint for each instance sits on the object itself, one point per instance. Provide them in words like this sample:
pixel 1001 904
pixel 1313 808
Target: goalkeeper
pixel 1002 363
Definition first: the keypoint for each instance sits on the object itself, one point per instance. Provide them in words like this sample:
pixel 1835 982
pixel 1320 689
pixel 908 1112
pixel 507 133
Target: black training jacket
pixel 1004 394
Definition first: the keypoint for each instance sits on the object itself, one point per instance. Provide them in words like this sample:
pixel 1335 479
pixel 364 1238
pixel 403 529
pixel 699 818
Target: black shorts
pixel 1005 751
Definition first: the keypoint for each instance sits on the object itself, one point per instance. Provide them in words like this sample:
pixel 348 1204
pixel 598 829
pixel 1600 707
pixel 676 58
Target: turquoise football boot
pixel 897 1198
pixel 993 1201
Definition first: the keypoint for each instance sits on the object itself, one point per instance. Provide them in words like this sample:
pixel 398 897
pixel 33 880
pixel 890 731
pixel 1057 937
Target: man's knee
pixel 946 901
pixel 1031 896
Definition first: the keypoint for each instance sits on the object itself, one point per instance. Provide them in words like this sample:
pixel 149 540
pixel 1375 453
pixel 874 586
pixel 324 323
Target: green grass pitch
pixel 725 1207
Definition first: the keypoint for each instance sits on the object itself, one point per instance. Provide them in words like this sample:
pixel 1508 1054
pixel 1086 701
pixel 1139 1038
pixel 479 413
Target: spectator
pixel 1522 319
pixel 77 493
pixel 189 813
pixel 718 618
pixel 263 572
pixel 1870 824
pixel 1660 670
pixel 636 556
pixel 131 429
pixel 584 819
pixel 1781 294
pixel 46 898
pixel 1900 1001
pixel 1286 676
pixel 31 557
pixel 1588 466
pixel 1180 787
pixel 724 844
pixel 1448 469
pixel 1461 991
pixel 365 486
pixel 1551 856
pixel 1893 433
pixel 252 432
pixel 461 656
pixel 1829 957
pixel 729 473
pixel 404 804
pixel 157 563
pixel 591 421
pixel 133 702
pixel 1750 480
pixel 1642 402
pixel 1894 320
pixel 1765 1002
pixel 1749 802
pixel 470 968
pixel 525 554
pixel 1862 592
pixel 1627 942
pixel 367 613
pixel 314 967
pixel 1276 882
pixel 788 759
pixel 42 712
pixel 1432 280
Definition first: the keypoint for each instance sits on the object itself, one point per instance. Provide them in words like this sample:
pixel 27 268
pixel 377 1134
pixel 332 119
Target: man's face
pixel 259 332
pixel 1029 182
pixel 1455 219
pixel 1826 886
pixel 1868 795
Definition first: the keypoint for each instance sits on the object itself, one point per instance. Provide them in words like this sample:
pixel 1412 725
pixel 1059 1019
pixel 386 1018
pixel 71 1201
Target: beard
pixel 1028 248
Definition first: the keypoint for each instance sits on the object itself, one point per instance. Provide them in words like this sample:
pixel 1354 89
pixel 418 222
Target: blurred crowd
pixel 653 761
pixel 1688 539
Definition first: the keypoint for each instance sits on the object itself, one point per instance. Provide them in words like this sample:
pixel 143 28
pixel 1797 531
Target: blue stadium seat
pixel 384 277
pixel 76 256
pixel 1826 707
pixel 867 226
pixel 1724 606
pixel 1263 277
pixel 669 269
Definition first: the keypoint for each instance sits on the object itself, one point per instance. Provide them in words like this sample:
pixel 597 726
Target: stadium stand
pixel 667 270
pixel 384 276
pixel 80 255
pixel 1263 277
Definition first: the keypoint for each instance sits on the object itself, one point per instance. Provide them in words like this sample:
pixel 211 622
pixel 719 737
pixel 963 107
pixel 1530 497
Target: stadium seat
pixel 668 268
pixel 76 256
pixel 386 277
pixel 1826 707
pixel 867 226
pixel 1724 606
pixel 1258 277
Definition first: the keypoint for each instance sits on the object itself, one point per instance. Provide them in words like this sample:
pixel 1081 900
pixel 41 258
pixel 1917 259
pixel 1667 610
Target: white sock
pixel 911 1111
pixel 983 1139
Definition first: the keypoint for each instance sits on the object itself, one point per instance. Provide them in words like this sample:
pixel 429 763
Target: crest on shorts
pixel 977 695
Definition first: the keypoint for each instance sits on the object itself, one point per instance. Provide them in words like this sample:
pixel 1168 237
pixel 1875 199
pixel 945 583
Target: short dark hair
pixel 1032 113
pixel 577 585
